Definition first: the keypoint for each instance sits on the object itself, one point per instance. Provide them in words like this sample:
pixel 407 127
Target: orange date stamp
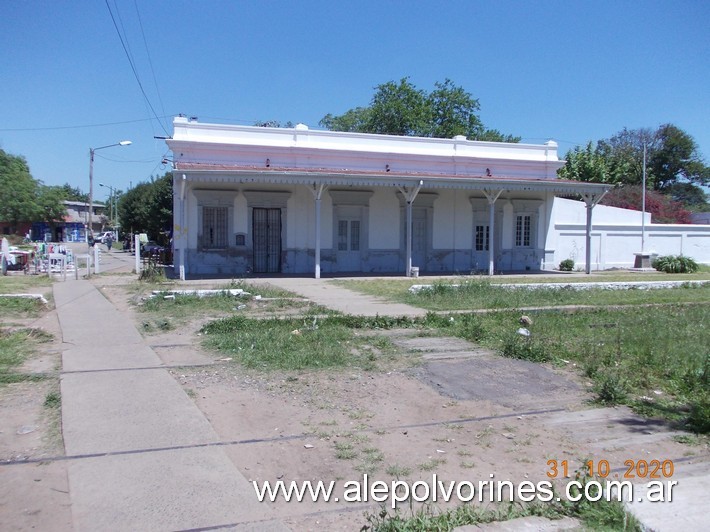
pixel 633 469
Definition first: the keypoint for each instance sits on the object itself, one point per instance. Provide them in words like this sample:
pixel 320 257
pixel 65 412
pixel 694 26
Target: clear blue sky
pixel 572 71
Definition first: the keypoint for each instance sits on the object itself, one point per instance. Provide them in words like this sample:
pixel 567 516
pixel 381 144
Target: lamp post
pixel 91 181
pixel 113 203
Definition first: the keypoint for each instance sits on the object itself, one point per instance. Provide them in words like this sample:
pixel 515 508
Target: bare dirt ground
pixel 34 495
pixel 429 409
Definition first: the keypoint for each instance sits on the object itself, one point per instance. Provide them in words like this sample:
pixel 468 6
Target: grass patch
pixel 654 359
pixel 53 400
pixel 302 343
pixel 20 307
pixel 16 284
pixel 15 347
pixel 482 293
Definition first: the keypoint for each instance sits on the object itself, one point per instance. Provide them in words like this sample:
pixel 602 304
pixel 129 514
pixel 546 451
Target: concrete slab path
pixel 335 297
pixel 141 454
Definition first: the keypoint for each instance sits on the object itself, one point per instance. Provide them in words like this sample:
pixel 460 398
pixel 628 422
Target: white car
pixel 102 237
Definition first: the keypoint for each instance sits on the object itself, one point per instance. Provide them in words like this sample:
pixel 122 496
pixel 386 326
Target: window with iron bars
pixel 523 224
pixel 482 238
pixel 214 227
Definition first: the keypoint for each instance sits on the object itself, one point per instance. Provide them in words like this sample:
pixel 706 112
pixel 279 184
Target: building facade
pixel 296 201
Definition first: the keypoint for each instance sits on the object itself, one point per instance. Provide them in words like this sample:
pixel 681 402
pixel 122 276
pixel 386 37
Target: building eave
pixel 204 173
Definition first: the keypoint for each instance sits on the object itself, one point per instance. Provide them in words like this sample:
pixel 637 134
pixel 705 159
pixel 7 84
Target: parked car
pixel 102 237
pixel 151 248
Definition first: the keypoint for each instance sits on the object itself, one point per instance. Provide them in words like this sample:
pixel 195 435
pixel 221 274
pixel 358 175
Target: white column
pixel 137 245
pixel 410 195
pixel 591 200
pixel 491 196
pixel 317 191
pixel 180 238
pixel 97 268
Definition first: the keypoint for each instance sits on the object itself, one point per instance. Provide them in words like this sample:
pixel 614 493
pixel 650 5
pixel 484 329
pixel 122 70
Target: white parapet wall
pixel 616 236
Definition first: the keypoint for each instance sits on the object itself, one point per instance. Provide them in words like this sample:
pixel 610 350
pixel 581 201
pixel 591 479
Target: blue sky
pixel 572 71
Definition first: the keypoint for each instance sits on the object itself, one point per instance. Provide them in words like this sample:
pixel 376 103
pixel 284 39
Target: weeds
pixel 598 515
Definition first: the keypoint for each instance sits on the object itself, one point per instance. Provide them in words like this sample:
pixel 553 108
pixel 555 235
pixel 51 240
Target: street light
pixel 91 180
pixel 113 202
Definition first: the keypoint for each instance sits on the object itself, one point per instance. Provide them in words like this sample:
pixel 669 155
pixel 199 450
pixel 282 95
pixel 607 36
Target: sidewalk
pixel 328 294
pixel 140 449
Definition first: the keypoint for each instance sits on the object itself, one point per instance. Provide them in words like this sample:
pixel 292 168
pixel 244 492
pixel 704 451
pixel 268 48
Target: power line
pixel 150 61
pixel 54 128
pixel 133 68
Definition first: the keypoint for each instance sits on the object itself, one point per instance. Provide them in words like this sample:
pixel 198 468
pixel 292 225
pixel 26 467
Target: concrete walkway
pixel 335 297
pixel 141 453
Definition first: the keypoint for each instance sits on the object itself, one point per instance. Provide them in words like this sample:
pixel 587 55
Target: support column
pixel 317 192
pixel 591 200
pixel 409 195
pixel 491 196
pixel 182 231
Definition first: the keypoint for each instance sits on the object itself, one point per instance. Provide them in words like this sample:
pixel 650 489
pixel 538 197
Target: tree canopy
pixel 148 207
pixel 671 157
pixel 400 108
pixel 24 198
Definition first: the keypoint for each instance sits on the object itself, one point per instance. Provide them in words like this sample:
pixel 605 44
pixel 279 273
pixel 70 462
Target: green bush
pixel 611 387
pixel 699 417
pixel 567 265
pixel 675 264
pixel 523 348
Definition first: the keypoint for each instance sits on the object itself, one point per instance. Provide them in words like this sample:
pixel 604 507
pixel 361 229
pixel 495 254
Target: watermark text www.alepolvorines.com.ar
pixel 436 490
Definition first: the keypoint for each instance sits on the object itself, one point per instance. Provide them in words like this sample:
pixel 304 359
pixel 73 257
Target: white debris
pixel 27 296
pixel 523 332
pixel 236 292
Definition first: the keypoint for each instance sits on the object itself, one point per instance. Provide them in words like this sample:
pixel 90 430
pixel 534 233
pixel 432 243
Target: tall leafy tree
pixel 587 164
pixel 400 108
pixel 671 157
pixel 675 157
pixel 50 205
pixel 148 207
pixel 19 190
pixel 74 193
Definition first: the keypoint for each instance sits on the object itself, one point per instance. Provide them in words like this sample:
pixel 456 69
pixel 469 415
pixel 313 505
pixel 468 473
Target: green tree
pixel 50 205
pixel 675 156
pixel 19 190
pixel 400 108
pixel 272 123
pixel 74 193
pixel 689 195
pixel 671 157
pixel 148 207
pixel 585 165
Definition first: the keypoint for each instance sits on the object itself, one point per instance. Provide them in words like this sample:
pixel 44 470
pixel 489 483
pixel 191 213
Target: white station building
pixel 298 201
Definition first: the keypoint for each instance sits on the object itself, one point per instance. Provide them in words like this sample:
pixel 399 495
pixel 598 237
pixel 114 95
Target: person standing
pixel 109 241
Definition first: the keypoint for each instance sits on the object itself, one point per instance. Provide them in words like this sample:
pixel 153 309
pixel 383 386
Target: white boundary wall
pixel 616 236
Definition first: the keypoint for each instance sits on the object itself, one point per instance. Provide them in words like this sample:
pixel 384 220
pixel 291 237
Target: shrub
pixel 611 387
pixel 152 273
pixel 516 346
pixel 567 265
pixel 675 264
pixel 699 417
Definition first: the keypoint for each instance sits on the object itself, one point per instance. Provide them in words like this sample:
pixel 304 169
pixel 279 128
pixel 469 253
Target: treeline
pixel 675 171
pixel 26 199
pixel 148 208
